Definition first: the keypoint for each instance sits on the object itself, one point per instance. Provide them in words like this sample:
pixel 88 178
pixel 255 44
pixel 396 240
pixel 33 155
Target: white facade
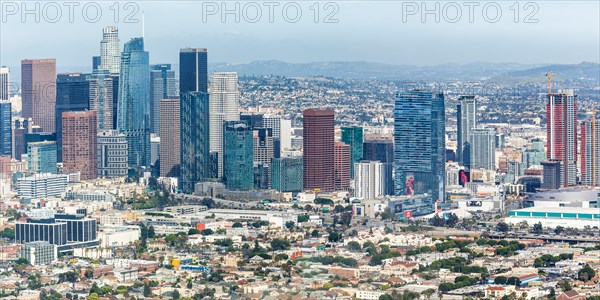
pixel 115 236
pixel 110 50
pixel 282 130
pixel 112 151
pixel 224 106
pixel 483 148
pixel 41 186
pixel 369 181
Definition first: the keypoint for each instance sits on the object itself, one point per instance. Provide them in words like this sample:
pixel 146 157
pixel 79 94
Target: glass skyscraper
pixel 5 128
pixel 72 94
pixel 419 145
pixel 134 102
pixel 41 157
pixel 194 138
pixel 353 136
pixel 193 70
pixel 238 171
pixel 286 174
pixel 382 150
pixel 162 86
pixel 101 97
pixel 466 121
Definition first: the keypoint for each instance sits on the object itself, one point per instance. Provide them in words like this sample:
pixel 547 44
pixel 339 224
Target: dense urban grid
pixel 141 180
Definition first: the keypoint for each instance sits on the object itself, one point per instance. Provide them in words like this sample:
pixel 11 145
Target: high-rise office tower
pixel 170 151
pixel 483 148
pixel 318 144
pixel 466 118
pixel 5 128
pixel 561 132
pixel 353 136
pixel 101 98
pixel 224 107
pixel 590 152
pixel 341 166
pixel 112 154
pixel 96 61
pixel 41 157
pixel 110 50
pixel 20 129
pixel 551 174
pixel 534 154
pixel 286 174
pixel 193 70
pixel 194 139
pixel 72 94
pixel 382 150
pixel 253 120
pixel 134 102
pixel 116 85
pixel 80 130
pixel 263 146
pixel 369 181
pixel 282 130
pixel 4 83
pixel 38 92
pixel 419 145
pixel 238 171
pixel 163 86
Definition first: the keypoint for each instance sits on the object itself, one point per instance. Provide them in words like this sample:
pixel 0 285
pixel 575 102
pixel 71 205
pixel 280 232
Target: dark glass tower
pixel 465 122
pixel 382 151
pixel 194 140
pixel 72 94
pixel 193 70
pixel 5 128
pixel 162 86
pixel 353 136
pixel 238 171
pixel 419 143
pixel 134 102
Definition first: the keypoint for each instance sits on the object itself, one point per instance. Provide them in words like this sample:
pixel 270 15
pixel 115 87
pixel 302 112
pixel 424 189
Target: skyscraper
pixel 224 107
pixel 263 146
pixel 551 175
pixel 590 152
pixel 72 94
pixel 134 102
pixel 341 166
pixel 4 83
pixel 110 50
pixel 21 128
pixel 483 148
pixel 193 70
pixel 238 171
pixel 318 144
pixel 466 119
pixel 162 86
pixel 561 133
pixel 382 150
pixel 282 130
pixel 286 174
pixel 41 157
pixel 96 61
pixel 419 146
pixel 101 97
pixel 79 143
pixel 353 136
pixel 38 92
pixel 369 182
pixel 170 151
pixel 112 154
pixel 5 128
pixel 194 128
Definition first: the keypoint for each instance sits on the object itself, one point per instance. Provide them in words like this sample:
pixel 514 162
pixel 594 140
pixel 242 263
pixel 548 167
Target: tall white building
pixel 112 151
pixel 4 83
pixel 369 180
pixel 110 50
pixel 282 130
pixel 224 106
pixel 483 148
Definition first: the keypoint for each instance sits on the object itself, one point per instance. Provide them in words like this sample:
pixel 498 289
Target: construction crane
pixel 549 76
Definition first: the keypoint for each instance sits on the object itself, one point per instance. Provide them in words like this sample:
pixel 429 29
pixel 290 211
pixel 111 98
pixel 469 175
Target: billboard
pixel 474 203
pixel 408 214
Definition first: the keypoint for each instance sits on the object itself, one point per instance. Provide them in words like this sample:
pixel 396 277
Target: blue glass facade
pixel 286 174
pixel 419 143
pixel 194 138
pixel 72 94
pixel 193 70
pixel 133 112
pixel 163 83
pixel 238 171
pixel 353 136
pixel 5 128
pixel 41 157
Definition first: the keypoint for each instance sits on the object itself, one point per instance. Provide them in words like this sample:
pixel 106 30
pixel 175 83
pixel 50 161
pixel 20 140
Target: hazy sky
pixel 566 31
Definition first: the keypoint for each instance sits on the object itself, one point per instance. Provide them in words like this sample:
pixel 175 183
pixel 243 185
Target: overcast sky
pixel 566 32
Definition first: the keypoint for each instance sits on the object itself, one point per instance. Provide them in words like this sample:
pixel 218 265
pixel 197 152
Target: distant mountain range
pixel 447 72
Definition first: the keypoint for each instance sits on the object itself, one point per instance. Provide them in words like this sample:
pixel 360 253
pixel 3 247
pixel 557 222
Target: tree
pixel 387 214
pixel 193 231
pixel 338 209
pixel 513 281
pixel 559 229
pixel 279 244
pixel 207 231
pixel 151 232
pixel 586 273
pixel 335 237
pixel 175 295
pixel 500 280
pixel 502 227
pixel 93 296
pixel 189 284
pixel 565 285
pixel 289 225
pixel 314 233
pixel 353 246
pixel 386 297
pixel 537 228
pixel 237 225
